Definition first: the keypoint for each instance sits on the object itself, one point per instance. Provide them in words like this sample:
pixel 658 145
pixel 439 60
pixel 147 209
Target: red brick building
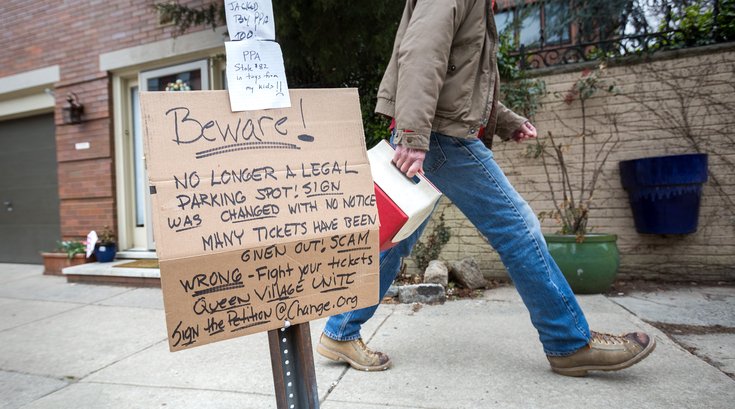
pixel 61 179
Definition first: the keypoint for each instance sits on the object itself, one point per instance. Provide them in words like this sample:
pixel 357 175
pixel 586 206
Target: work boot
pixel 605 352
pixel 354 352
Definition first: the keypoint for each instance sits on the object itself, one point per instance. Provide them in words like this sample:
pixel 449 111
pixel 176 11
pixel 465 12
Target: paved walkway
pixel 84 346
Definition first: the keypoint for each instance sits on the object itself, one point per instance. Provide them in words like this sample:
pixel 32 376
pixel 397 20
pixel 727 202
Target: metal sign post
pixel 292 360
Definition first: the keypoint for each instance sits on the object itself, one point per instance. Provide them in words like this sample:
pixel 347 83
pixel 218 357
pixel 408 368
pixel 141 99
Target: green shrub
pixel 71 247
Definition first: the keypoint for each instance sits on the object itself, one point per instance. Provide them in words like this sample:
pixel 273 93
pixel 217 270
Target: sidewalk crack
pixel 119 360
pixel 78 306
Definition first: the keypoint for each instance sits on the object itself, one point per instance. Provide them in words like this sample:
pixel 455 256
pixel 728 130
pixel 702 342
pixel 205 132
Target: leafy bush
pixel 695 24
pixel 518 91
pixel 71 247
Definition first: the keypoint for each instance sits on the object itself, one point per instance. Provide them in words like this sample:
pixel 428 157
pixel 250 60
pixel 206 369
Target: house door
pixel 29 189
pixel 184 77
pixel 140 204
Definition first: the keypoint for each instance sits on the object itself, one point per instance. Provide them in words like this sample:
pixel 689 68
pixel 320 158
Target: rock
pixel 392 292
pixel 467 273
pixel 436 273
pixel 423 293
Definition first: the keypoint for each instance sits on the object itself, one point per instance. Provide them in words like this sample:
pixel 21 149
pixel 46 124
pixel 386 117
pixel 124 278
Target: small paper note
pixel 250 20
pixel 256 78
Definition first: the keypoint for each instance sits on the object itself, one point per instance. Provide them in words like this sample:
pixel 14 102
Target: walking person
pixel 441 89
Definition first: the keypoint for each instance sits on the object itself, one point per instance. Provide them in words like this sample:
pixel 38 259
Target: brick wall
pixel 72 34
pixel 705 79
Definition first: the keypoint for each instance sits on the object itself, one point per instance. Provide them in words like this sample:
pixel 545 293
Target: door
pixel 184 77
pixel 29 190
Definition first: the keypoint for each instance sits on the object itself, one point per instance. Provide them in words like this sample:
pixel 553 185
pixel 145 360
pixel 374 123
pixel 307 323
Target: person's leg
pixel 341 339
pixel 346 326
pixel 470 178
pixel 465 171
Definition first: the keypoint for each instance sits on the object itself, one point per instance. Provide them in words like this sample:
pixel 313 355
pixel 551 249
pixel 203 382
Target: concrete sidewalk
pixel 83 346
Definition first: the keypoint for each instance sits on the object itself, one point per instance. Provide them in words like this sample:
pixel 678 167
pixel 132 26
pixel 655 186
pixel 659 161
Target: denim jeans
pixel 465 171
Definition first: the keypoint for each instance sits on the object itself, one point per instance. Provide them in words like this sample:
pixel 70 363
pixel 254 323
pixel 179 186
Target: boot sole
pixel 336 356
pixel 580 371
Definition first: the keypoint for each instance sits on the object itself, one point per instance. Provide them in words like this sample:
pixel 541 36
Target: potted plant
pixel 106 247
pixel 67 253
pixel 665 190
pixel 589 261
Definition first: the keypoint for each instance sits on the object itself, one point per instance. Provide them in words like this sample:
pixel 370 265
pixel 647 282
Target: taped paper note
pixel 250 20
pixel 256 78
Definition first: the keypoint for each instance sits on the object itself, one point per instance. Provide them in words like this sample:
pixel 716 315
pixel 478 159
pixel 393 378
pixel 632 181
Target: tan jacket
pixel 443 74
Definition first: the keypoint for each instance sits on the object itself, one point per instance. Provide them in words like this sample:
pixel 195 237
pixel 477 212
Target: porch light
pixel 72 113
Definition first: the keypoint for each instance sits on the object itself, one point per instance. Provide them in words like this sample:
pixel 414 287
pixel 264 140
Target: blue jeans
pixel 465 171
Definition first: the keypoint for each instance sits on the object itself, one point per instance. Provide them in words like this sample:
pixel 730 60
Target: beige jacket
pixel 443 74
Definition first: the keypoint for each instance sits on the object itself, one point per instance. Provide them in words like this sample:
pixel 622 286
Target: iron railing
pixel 544 55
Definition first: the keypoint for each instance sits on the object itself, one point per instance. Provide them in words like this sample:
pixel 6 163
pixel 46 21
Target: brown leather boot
pixel 605 352
pixel 355 353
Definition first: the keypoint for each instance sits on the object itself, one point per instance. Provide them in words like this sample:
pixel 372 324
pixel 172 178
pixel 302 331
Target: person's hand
pixel 526 131
pixel 409 161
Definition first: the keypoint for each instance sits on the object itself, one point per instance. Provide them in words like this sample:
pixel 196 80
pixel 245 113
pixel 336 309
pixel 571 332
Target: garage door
pixel 29 194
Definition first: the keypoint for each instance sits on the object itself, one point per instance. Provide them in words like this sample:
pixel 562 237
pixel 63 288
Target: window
pixel 554 31
pixel 536 25
pixel 503 19
pixel 530 27
pixel 189 79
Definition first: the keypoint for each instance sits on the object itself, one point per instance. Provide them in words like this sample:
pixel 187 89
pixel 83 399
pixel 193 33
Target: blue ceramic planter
pixel 105 253
pixel 665 192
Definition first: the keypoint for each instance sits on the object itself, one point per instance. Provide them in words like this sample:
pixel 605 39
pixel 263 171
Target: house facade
pixel 63 178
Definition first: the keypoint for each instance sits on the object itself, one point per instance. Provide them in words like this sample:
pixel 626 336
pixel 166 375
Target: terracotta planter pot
pixel 53 263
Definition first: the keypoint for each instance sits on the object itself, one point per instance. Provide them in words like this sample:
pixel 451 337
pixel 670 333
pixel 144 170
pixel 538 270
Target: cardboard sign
pixel 256 77
pixel 262 219
pixel 250 20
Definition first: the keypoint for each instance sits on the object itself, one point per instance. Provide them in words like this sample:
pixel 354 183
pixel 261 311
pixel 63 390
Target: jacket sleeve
pixel 508 122
pixel 423 57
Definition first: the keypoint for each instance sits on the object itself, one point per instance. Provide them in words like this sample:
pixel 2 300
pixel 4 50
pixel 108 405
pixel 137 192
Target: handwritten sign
pixel 262 218
pixel 250 20
pixel 255 75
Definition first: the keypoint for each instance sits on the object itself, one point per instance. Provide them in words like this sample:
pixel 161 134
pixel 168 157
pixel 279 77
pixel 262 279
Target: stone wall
pixel 691 89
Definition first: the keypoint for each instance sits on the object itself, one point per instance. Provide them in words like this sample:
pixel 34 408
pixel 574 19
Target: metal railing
pixel 544 55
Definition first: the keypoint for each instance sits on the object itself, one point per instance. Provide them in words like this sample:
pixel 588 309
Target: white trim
pixel 30 79
pixel 26 106
pixel 27 94
pixel 119 86
pixel 205 41
pixel 108 270
pixel 136 254
pixel 219 74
